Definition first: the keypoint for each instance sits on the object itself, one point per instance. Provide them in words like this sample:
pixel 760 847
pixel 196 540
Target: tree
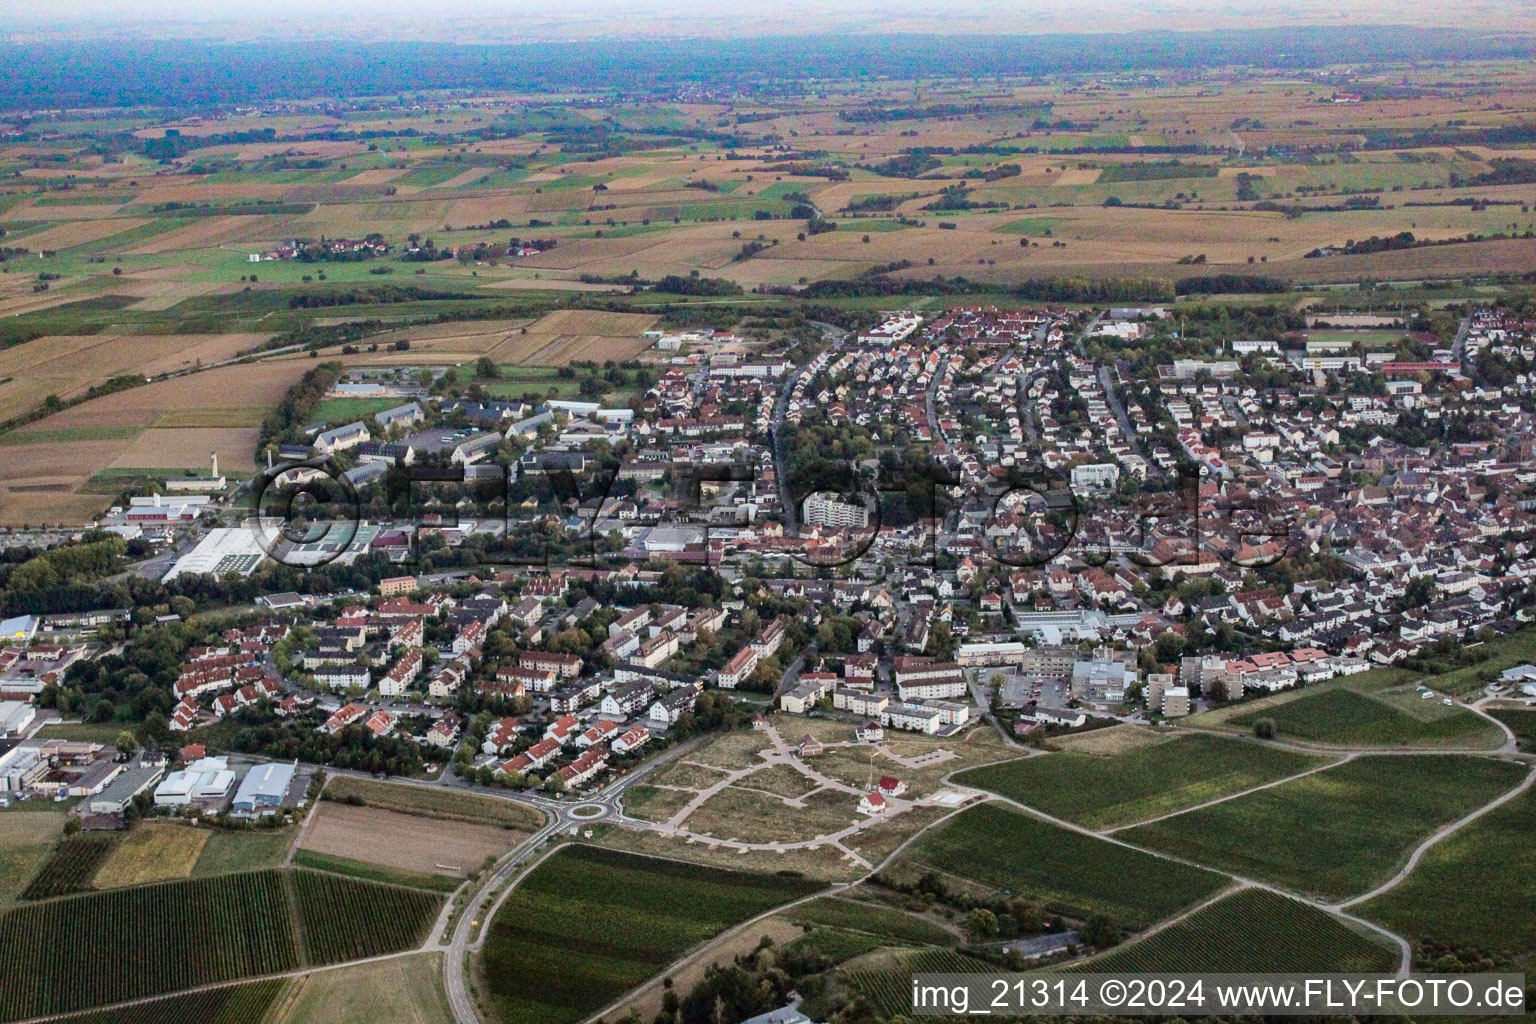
pixel 126 742
pixel 980 924
pixel 1264 728
pixel 554 784
pixel 1101 932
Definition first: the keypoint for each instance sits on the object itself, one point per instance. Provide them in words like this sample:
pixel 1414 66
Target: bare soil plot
pixel 80 232
pixel 209 232
pixel 377 176
pixel 758 818
pixel 467 177
pixel 403 841
pixel 486 209
pixel 186 448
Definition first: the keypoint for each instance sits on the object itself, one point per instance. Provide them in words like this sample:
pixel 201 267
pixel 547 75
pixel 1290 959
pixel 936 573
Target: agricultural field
pixel 560 947
pixel 1253 930
pixel 885 978
pixel 1463 889
pixel 71 867
pixel 373 872
pixel 153 853
pixel 872 919
pixel 128 943
pixel 404 842
pixel 331 912
pixel 1395 717
pixel 247 1003
pixel 26 841
pixel 229 851
pixel 1338 832
pixel 407 990
pixel 1521 722
pixel 994 848
pixel 1103 791
pixel 435 802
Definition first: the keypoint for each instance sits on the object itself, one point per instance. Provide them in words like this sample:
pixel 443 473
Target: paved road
pixel 835 337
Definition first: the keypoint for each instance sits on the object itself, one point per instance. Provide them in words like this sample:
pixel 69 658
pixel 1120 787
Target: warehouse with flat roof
pixel 264 788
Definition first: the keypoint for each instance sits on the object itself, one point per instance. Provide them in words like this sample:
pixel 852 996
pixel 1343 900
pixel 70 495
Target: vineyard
pixel 345 919
pixel 1072 873
pixel 233 1004
pixel 82 951
pixel 1338 832
pixel 1466 890
pixel 70 867
pixel 872 919
pixel 887 979
pixel 1343 717
pixel 1101 791
pixel 1252 930
pixel 588 925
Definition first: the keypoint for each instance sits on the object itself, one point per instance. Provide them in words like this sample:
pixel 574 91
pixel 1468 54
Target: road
pixel 1459 348
pixel 835 337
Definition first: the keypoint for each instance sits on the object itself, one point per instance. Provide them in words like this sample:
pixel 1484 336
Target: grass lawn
pixel 336 411
pixel 1344 717
pixel 1338 832
pixel 374 872
pixel 1102 791
pixel 590 924
pixel 1467 890
pixel 84 732
pixel 25 840
pixel 1000 849
pixel 243 850
pixel 407 990
pixel 1252 930
pixel 153 853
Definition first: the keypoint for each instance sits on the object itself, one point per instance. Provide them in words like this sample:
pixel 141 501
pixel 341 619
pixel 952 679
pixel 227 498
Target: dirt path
pixel 1435 837
pixel 1232 796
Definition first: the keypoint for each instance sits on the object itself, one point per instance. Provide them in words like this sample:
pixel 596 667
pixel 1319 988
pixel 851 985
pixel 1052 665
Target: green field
pixel 1072 873
pixel 1253 930
pixel 1521 722
pixel 231 850
pixel 1338 832
pixel 26 842
pixel 232 1004
pixel 336 411
pixel 82 951
pixel 1468 891
pixel 374 872
pixel 1103 791
pixel 588 925
pixel 1343 717
pixel 872 919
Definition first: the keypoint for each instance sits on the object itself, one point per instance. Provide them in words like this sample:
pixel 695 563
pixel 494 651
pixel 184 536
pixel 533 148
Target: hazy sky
pixel 510 20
